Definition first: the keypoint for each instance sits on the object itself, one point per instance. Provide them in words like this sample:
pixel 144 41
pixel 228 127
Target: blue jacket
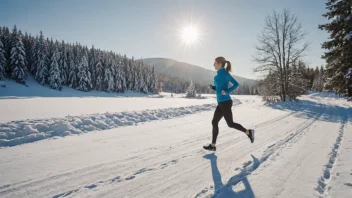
pixel 221 82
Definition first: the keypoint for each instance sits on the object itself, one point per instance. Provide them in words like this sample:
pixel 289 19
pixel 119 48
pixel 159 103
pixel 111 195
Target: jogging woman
pixel 221 86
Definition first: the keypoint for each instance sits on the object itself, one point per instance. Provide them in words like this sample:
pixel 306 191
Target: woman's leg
pixel 215 122
pixel 227 112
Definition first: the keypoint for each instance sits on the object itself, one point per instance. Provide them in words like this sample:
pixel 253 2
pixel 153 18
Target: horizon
pixel 152 29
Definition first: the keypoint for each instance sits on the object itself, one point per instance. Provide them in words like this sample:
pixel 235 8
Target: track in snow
pixel 180 168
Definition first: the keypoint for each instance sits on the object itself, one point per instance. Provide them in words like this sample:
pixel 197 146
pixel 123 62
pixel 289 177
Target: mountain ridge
pixel 188 71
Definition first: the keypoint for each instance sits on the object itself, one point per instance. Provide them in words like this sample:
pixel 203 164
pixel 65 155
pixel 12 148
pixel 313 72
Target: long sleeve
pixel 213 87
pixel 234 82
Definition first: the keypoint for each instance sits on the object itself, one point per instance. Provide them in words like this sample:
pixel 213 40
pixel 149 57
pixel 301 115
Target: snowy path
pixel 300 151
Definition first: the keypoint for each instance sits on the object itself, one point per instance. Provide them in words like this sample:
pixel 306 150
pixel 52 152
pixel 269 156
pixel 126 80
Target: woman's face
pixel 217 65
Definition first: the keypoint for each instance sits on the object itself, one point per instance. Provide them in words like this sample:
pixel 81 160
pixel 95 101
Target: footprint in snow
pixel 91 186
pixel 130 177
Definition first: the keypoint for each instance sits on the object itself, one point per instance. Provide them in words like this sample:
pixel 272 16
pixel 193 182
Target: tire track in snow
pixel 275 119
pixel 63 178
pixel 174 177
pixel 177 159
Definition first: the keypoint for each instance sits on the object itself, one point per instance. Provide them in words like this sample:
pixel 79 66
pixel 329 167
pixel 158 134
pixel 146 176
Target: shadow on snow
pixel 225 190
pixel 310 109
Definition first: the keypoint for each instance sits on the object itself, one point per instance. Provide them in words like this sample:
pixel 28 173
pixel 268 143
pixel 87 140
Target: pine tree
pixel 339 55
pixel 99 74
pixel 64 68
pixel 34 56
pixel 129 73
pixel 109 81
pixel 41 69
pixel 17 59
pixel 191 91
pixel 50 52
pixel 2 61
pixel 118 77
pixel 92 63
pixel 122 74
pixel 137 78
pixel 7 42
pixel 83 75
pixel 145 74
pixel 54 73
pixel 155 83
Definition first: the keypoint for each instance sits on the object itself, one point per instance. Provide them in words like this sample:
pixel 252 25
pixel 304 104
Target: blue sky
pixel 150 28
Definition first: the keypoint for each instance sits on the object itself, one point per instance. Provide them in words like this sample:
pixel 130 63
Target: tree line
pixel 58 64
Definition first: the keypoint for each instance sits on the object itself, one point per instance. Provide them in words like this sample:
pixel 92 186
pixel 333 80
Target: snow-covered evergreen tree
pixel 2 61
pixel 109 81
pixel 154 82
pixel 27 43
pixel 34 56
pixel 72 77
pixel 92 63
pixel 83 75
pixel 339 53
pixel 318 82
pixel 50 51
pixel 63 63
pixel 99 71
pixel 122 74
pixel 118 77
pixel 191 91
pixel 17 59
pixel 144 74
pixel 41 69
pixel 7 42
pixel 137 77
pixel 129 73
pixel 54 73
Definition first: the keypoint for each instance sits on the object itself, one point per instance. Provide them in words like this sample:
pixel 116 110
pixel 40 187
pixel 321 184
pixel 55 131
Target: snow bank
pixel 20 132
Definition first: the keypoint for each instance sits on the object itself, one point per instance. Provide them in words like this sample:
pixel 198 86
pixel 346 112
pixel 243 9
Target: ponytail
pixel 224 62
pixel 228 67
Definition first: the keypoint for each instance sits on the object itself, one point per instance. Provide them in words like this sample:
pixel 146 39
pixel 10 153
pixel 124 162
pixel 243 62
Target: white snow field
pixel 152 147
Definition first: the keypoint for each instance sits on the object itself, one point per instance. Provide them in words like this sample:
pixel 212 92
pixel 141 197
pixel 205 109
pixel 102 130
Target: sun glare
pixel 189 35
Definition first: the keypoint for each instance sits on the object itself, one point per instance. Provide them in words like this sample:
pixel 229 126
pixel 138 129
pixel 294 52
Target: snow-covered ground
pixel 150 146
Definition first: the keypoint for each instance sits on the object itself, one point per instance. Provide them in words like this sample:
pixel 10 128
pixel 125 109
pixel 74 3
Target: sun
pixel 189 34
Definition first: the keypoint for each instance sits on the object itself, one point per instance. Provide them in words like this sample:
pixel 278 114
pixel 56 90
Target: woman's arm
pixel 234 82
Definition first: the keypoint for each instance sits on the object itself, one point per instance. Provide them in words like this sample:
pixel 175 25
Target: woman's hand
pixel 223 92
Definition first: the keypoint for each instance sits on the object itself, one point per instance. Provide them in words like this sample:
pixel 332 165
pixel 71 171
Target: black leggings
pixel 224 110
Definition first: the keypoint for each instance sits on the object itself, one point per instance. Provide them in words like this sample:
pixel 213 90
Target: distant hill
pixel 188 71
